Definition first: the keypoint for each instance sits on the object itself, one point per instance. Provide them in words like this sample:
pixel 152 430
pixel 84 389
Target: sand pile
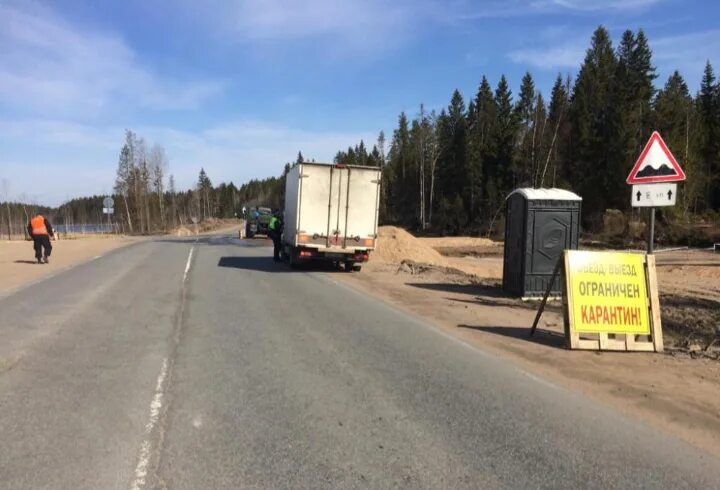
pixel 395 245
pixel 459 242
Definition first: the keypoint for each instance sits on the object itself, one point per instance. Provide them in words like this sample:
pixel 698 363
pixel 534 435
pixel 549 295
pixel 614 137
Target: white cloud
pixel 50 66
pixel 292 19
pixel 466 9
pixel 569 55
pixel 686 53
pixel 595 5
pixel 236 151
pixel 330 28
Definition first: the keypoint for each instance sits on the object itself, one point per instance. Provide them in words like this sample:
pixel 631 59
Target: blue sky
pixel 238 87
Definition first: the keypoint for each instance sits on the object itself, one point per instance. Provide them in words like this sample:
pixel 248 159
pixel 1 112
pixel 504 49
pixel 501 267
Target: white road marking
pixel 141 470
pixel 155 406
pixel 187 266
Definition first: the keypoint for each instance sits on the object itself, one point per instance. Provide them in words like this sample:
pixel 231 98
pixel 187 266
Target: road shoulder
pixel 674 393
pixel 20 269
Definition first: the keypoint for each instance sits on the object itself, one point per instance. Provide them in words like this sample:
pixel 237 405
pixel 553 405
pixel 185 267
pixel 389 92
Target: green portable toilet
pixel 539 225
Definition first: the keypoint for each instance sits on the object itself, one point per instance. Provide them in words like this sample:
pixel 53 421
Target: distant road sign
pixel 656 164
pixel 108 210
pixel 653 195
pixel 108 202
pixel 194 220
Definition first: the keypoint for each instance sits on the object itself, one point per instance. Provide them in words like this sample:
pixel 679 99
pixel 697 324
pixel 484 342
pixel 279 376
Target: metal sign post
pixel 108 204
pixel 651 232
pixel 652 179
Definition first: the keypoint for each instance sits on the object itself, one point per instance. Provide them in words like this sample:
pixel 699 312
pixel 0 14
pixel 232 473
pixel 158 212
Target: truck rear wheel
pixel 351 267
pixel 292 259
pixel 356 268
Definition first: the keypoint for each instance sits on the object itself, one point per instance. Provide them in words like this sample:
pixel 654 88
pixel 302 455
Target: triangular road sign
pixel 656 164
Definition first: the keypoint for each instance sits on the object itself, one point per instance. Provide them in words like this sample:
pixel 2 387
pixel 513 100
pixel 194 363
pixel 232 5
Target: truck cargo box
pixel 331 212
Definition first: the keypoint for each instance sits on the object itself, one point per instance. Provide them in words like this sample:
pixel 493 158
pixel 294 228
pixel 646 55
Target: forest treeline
pixel 452 170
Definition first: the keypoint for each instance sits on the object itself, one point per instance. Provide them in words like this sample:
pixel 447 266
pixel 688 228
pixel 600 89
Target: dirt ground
pixel 17 258
pixel 678 391
pixel 212 226
pixel 18 265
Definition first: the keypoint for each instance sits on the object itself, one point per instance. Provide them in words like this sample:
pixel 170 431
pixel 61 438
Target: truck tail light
pixel 306 253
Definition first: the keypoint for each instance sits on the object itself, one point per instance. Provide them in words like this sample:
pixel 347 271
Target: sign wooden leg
pixel 656 319
pixel 545 296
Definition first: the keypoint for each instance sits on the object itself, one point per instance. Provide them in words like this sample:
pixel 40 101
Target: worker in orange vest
pixel 40 231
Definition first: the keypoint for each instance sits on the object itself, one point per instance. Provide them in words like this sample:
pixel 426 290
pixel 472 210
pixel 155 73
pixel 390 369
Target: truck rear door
pixel 362 198
pixel 337 206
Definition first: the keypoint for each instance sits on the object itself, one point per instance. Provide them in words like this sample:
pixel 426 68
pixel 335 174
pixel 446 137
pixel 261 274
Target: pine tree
pixel 709 112
pixel 594 163
pixel 480 147
pixel 503 142
pixel 481 121
pixel 400 192
pixel 556 134
pixel 374 158
pixel 539 127
pixel 523 166
pixel 340 157
pixel 204 192
pixel 634 94
pixel 452 164
pixel 361 154
pixel 641 66
pixel 675 119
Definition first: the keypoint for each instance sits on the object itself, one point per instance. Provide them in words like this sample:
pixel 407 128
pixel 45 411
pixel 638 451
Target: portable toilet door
pixel 539 225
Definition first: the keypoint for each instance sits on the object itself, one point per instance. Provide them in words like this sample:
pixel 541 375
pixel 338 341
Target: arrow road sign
pixel 653 195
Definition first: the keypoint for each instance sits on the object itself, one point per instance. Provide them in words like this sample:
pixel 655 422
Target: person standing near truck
pixel 275 226
pixel 40 230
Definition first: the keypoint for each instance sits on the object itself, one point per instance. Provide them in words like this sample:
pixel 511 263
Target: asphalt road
pixel 196 365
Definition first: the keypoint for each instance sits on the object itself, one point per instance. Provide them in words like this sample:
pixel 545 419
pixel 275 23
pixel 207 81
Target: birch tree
pixel 173 201
pixel 158 167
pixel 125 170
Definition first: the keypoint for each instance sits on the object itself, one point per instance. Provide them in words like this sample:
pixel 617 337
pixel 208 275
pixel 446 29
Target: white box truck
pixel 331 213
